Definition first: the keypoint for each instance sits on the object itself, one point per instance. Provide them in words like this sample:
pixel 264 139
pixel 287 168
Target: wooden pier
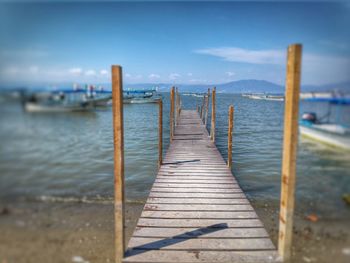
pixel 196 211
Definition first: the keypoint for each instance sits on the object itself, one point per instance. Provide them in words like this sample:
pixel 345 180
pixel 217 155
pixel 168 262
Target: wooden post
pixel 118 134
pixel 197 108
pixel 172 113
pixel 160 133
pixel 229 135
pixel 203 108
pixel 178 105
pixel 290 141
pixel 213 116
pixel 207 109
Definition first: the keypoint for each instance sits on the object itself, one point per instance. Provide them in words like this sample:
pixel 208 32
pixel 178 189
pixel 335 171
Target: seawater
pixel 69 156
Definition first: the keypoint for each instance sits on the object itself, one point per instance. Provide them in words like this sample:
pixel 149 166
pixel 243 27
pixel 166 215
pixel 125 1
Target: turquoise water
pixel 69 156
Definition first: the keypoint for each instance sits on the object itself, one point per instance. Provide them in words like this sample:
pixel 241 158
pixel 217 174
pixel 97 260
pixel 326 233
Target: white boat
pixel 52 107
pixel 259 96
pixel 327 133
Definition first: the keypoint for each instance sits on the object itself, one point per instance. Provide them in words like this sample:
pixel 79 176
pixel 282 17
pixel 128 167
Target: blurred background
pixel 56 146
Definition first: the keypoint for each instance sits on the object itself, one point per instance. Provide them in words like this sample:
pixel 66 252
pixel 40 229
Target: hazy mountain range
pixel 240 86
pixel 244 86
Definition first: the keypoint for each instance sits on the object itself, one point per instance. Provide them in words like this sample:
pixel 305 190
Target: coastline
pixel 83 232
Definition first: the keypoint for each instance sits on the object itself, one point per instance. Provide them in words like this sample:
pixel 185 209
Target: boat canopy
pixel 343 101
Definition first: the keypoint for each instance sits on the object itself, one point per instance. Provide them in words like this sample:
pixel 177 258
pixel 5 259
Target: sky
pixel 172 42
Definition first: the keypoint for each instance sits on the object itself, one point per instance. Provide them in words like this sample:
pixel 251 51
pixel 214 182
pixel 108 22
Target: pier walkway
pixel 196 211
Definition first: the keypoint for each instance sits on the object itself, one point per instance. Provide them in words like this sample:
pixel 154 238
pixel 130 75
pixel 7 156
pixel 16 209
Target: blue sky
pixel 172 42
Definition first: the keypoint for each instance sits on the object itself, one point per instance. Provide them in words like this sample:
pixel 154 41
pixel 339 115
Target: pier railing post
pixel 176 105
pixel 229 135
pixel 290 141
pixel 207 108
pixel 213 115
pixel 160 133
pixel 118 137
pixel 172 113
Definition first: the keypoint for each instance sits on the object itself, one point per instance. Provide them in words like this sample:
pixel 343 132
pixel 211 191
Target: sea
pixel 68 157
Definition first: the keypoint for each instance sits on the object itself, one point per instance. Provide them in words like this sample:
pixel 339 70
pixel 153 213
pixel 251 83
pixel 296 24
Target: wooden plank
pixel 197 207
pixel 196 195
pixel 159 200
pixel 200 256
pixel 214 186
pixel 150 222
pixel 197 190
pixel 200 214
pixel 201 243
pixel 192 232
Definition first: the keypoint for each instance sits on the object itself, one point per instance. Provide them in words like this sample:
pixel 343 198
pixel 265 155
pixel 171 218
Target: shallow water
pixel 69 156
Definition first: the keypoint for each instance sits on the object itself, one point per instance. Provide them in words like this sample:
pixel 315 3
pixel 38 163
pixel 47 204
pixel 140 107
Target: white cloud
pixel 174 76
pixel 189 74
pixel 127 75
pixel 90 72
pixel 103 72
pixel 230 73
pixel 75 71
pixel 316 68
pixel 236 54
pixel 154 76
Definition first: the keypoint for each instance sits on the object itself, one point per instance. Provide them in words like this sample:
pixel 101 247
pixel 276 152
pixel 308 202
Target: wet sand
pixel 82 232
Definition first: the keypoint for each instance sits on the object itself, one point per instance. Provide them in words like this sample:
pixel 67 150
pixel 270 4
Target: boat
pixel 134 96
pixel 66 100
pixel 55 107
pixel 264 96
pixel 326 132
pixel 56 103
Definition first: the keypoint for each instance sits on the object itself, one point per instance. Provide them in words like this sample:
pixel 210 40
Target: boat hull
pixel 36 107
pixel 332 139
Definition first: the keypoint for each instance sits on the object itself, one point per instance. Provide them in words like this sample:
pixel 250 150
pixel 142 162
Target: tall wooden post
pixel 213 115
pixel 176 105
pixel 290 141
pixel 172 113
pixel 118 136
pixel 229 135
pixel 203 108
pixel 197 108
pixel 160 133
pixel 207 108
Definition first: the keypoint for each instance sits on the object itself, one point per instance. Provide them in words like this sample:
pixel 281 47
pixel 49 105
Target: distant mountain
pixel 244 86
pixel 240 86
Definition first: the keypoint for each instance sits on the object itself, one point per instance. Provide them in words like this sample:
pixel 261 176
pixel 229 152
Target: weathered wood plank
pixel 201 243
pixel 200 214
pixel 196 195
pixel 192 232
pixel 200 256
pixel 197 207
pixel 219 223
pixel 197 190
pixel 156 200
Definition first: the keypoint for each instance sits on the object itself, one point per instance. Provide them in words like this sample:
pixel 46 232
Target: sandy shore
pixel 80 232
